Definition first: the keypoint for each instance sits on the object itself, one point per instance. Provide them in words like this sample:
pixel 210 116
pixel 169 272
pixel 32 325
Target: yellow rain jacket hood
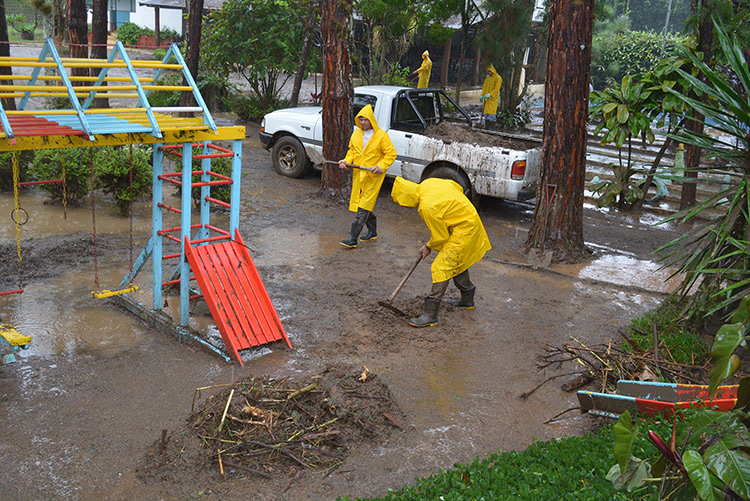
pixel 379 151
pixel 424 71
pixel 456 231
pixel 492 84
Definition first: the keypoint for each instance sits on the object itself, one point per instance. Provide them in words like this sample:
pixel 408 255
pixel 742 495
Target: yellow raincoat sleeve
pixel 424 71
pixel 379 151
pixel 491 86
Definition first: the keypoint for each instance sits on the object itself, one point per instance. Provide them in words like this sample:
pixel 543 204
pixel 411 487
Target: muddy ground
pixel 85 408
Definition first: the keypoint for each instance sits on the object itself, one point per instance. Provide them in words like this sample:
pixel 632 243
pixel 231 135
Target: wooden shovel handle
pixel 414 266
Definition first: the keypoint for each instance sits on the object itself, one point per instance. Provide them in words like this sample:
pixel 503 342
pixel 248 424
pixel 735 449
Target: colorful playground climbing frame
pixel 171 131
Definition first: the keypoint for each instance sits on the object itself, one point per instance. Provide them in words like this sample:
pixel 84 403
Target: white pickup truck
pixel 408 116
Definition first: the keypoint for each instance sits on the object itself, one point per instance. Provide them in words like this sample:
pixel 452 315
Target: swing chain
pixel 64 188
pixel 17 219
pixel 93 221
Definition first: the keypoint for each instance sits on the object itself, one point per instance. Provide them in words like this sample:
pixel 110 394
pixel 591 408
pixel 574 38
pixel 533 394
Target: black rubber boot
pixel 429 315
pixel 357 225
pixel 467 299
pixel 372 228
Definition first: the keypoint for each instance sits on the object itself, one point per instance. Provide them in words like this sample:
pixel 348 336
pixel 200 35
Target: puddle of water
pixel 292 246
pixel 623 270
pixel 63 319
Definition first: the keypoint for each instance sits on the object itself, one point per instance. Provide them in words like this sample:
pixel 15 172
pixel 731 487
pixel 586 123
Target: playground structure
pixel 218 258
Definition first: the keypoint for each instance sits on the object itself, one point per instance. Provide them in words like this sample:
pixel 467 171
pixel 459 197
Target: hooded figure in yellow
pixel 456 233
pixel 491 95
pixel 424 71
pixel 369 147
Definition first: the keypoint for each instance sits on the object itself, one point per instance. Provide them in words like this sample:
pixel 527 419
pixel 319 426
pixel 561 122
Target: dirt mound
pixel 448 132
pixel 276 428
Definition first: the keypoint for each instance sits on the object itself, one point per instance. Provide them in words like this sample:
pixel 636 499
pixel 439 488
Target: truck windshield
pixel 362 100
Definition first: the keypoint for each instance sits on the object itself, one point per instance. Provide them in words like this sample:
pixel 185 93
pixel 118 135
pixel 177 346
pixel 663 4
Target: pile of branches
pixel 605 364
pixel 270 426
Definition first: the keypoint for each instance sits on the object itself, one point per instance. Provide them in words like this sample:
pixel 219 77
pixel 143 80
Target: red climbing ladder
pixel 235 294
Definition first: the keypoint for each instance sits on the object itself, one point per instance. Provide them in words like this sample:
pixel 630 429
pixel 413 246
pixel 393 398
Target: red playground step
pixel 235 294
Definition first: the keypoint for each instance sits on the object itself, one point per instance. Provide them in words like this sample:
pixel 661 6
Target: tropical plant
pixel 715 256
pixel 623 112
pixel 257 39
pixel 712 460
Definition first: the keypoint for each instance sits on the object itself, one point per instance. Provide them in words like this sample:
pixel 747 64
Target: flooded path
pixel 97 386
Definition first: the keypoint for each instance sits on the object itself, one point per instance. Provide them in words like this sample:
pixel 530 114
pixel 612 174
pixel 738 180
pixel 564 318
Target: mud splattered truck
pixel 433 137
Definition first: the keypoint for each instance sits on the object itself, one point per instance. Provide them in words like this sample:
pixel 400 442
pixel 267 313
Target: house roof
pixel 180 4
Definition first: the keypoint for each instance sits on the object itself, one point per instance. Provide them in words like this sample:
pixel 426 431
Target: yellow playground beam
pixel 171 136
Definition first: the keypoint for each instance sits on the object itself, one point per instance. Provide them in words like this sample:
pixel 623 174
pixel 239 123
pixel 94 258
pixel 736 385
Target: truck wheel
pixel 289 157
pixel 454 174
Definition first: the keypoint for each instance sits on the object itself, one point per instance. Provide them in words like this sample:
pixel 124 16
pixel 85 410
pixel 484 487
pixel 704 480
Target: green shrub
pixel 169 34
pixel 6 168
pixel 678 332
pixel 215 91
pixel 249 108
pixel 159 54
pixel 48 164
pixel 632 52
pixel 568 468
pixel 397 76
pixel 129 33
pixel 513 119
pixel 112 171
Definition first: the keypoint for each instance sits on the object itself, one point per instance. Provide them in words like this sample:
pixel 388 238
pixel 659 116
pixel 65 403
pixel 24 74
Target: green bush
pixel 48 164
pixel 112 171
pixel 632 52
pixel 568 468
pixel 169 34
pixel 513 119
pixel 215 91
pixel 397 76
pixel 249 108
pixel 6 168
pixel 129 33
pixel 159 54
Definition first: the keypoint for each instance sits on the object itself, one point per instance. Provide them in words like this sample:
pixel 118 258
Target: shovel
pixel 317 158
pixel 388 303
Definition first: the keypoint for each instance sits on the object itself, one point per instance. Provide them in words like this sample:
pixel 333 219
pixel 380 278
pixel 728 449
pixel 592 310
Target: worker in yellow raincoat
pixel 369 147
pixel 456 233
pixel 491 96
pixel 423 71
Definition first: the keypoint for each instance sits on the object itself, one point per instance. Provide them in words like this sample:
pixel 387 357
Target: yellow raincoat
pixel 492 87
pixel 456 231
pixel 379 151
pixel 424 71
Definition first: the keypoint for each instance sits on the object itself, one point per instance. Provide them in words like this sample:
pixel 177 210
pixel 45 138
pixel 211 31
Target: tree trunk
pixel 309 34
pixel 557 230
pixel 59 20
pixel 78 35
pixel 99 43
pixel 445 66
pixel 8 103
pixel 195 17
pixel 695 122
pixel 337 92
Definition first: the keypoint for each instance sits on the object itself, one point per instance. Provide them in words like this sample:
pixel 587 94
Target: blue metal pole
pixel 156 224
pixel 234 211
pixel 187 169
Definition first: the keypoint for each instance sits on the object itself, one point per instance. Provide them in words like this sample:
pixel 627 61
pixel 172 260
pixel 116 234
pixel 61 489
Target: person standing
pixel 456 233
pixel 491 96
pixel 424 71
pixel 369 146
